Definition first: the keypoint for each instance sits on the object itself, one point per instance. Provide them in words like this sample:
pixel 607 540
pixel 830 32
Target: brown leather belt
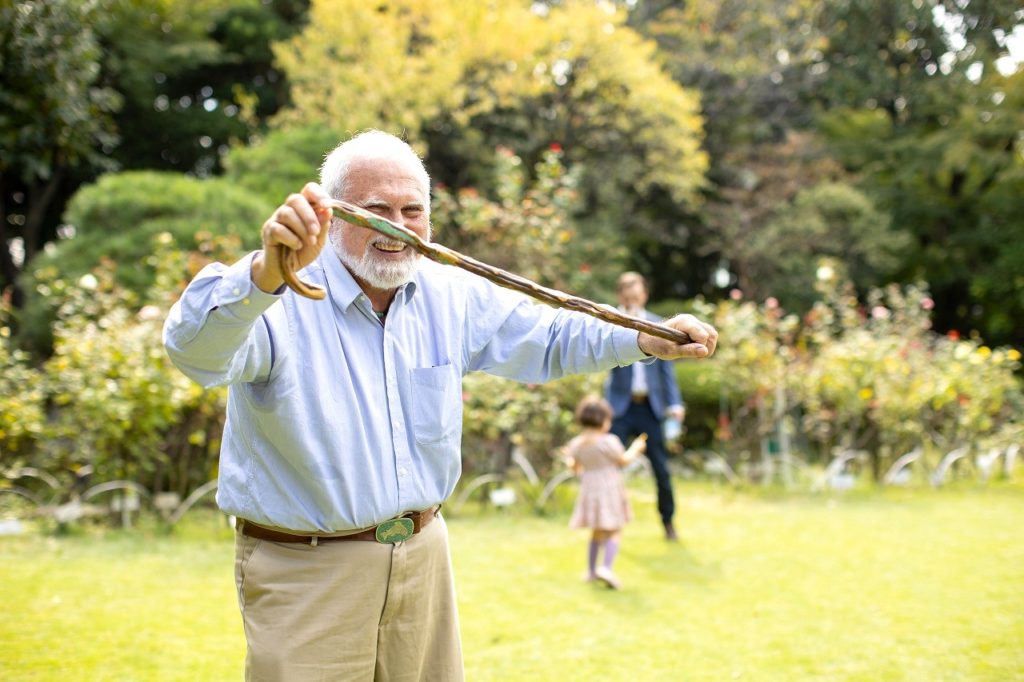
pixel 639 398
pixel 389 532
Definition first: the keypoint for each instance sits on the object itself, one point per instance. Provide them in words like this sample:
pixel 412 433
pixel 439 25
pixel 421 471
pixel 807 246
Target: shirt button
pixel 237 291
pixel 402 471
pixel 245 301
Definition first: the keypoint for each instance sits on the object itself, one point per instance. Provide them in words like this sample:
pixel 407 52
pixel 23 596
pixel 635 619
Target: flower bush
pixel 112 398
pixel 871 377
pixel 499 414
pixel 526 227
pixel 22 415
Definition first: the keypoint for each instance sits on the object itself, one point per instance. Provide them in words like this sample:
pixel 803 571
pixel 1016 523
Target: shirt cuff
pixel 237 294
pixel 627 350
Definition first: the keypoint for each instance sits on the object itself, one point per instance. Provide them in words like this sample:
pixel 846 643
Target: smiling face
pixel 393 189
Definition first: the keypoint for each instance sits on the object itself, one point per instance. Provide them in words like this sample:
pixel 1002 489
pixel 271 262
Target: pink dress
pixel 602 503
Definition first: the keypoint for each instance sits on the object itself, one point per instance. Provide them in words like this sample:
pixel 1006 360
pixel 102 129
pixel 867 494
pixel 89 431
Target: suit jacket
pixel 662 389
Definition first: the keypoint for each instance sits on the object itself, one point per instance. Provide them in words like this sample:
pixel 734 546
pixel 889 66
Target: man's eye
pixel 412 211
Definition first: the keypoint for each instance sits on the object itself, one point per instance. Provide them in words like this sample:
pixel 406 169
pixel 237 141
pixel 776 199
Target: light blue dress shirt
pixel 336 421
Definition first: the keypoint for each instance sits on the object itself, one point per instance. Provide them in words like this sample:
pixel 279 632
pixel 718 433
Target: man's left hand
pixel 703 337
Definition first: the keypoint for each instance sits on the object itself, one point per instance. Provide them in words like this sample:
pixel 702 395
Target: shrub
pixel 115 221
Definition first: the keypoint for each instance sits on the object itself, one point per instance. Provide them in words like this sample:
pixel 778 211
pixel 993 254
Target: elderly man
pixel 344 418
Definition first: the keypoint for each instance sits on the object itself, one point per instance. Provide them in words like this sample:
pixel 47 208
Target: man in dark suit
pixel 642 395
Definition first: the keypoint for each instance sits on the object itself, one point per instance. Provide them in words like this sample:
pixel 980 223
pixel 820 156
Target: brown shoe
pixel 670 532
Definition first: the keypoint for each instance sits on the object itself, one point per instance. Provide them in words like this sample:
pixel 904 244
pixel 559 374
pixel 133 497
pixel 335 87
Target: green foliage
pixel 281 162
pixel 749 62
pixel 889 55
pixel 113 399
pixel 194 76
pixel 22 416
pixel 54 115
pixel 888 381
pixel 89 87
pixel 116 220
pixel 832 220
pixel 574 76
pixel 923 113
pixel 113 388
pixel 499 414
pixel 748 59
pixel 129 201
pixel 527 228
pixel 875 379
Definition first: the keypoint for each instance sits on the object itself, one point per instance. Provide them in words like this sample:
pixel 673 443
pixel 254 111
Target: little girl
pixel 596 457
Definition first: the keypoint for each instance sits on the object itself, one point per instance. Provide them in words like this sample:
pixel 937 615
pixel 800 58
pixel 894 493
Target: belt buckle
pixel 394 531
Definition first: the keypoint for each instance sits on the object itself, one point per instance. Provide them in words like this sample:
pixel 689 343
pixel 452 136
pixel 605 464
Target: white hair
pixel 369 145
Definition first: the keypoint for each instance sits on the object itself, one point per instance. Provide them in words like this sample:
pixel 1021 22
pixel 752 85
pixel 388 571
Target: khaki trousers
pixel 350 610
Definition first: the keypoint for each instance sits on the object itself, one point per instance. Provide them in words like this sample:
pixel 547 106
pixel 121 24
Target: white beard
pixel 376 271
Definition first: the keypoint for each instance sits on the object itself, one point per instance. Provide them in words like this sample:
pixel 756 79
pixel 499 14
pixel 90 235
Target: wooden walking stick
pixel 442 254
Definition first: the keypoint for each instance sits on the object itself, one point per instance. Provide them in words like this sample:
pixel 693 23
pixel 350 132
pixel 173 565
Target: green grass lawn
pixel 896 585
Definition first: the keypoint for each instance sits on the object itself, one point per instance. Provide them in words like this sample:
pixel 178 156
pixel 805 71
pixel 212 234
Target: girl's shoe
pixel 589 577
pixel 606 576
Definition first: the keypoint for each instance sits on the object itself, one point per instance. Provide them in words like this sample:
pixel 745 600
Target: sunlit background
pixel 838 186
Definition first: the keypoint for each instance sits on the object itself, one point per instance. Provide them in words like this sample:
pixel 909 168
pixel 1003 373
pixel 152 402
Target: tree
pixel 919 110
pixel 574 76
pixel 749 62
pixel 90 86
pixel 907 59
pixel 54 117
pixel 828 220
pixel 115 221
pixel 195 76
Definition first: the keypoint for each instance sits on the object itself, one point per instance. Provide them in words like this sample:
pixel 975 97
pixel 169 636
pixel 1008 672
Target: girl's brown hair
pixel 593 411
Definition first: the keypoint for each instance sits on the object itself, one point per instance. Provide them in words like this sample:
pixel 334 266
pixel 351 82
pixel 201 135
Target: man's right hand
pixel 300 223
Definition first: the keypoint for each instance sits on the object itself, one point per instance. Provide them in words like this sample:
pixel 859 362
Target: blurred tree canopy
pixel 54 115
pixel 916 104
pixel 922 106
pixel 735 152
pixel 87 87
pixel 712 145
pixel 572 76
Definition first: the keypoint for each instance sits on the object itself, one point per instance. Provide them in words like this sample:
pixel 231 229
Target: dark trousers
pixel 639 418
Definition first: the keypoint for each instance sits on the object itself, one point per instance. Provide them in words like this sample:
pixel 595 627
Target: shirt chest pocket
pixel 436 403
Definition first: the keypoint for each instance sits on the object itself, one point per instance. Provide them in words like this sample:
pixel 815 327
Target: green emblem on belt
pixel 395 530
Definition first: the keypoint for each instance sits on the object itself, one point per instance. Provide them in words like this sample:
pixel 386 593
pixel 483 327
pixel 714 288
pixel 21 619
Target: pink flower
pixel 953 335
pixel 927 303
pixel 555 147
pixel 880 312
pixel 771 303
pixel 735 294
